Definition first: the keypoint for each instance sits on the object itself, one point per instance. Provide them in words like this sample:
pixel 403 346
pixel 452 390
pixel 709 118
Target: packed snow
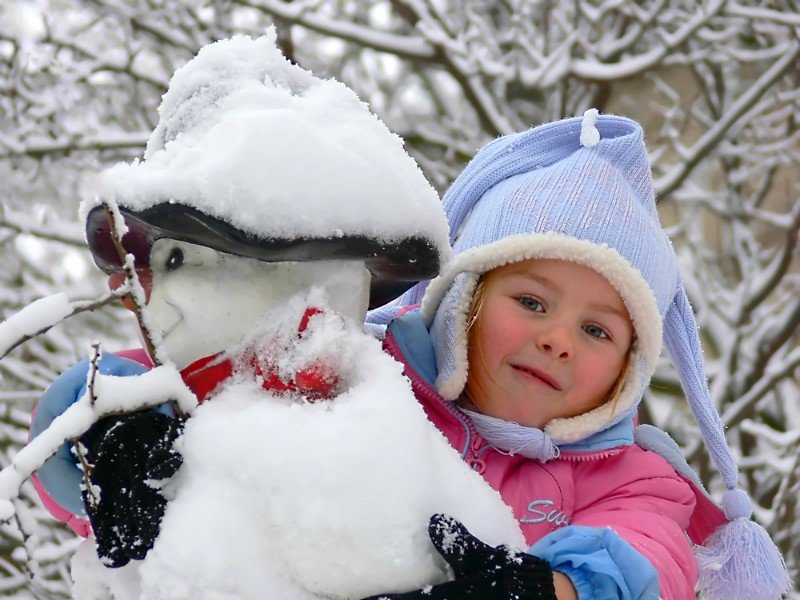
pixel 280 497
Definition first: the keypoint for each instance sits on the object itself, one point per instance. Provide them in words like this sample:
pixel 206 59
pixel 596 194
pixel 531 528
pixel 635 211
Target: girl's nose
pixel 556 340
pixel 145 278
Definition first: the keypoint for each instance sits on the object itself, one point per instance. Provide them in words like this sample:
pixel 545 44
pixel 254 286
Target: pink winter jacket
pixel 634 492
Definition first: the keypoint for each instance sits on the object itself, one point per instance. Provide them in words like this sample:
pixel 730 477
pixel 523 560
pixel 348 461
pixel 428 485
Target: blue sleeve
pixel 381 316
pixel 60 474
pixel 600 564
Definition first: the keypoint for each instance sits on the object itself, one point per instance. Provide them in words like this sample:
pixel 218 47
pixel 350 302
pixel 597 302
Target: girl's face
pixel 549 341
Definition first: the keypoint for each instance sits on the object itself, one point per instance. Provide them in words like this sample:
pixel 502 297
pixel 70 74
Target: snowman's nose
pixel 145 278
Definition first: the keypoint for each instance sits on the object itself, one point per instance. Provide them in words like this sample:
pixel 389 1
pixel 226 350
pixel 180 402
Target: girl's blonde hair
pixel 473 335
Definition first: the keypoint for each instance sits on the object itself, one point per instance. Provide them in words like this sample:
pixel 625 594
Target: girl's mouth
pixel 538 375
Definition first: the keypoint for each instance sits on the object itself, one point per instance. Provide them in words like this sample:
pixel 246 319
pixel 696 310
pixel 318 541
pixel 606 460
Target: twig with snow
pixel 113 396
pixel 135 289
pixel 79 449
pixel 45 313
pixel 136 292
pixel 22 519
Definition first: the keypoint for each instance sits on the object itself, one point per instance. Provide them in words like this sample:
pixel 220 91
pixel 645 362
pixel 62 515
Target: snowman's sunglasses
pixel 395 267
pixel 145 228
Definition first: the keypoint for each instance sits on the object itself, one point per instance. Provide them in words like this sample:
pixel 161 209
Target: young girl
pixel 531 353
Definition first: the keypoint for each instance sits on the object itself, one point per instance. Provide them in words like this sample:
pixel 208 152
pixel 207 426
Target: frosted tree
pixel 716 85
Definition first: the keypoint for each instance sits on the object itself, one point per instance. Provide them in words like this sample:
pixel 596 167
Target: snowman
pixel 271 209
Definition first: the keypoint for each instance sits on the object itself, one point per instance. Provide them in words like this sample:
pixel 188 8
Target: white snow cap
pixel 248 137
pixel 589 133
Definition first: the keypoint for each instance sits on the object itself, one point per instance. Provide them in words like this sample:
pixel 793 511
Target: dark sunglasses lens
pixel 136 241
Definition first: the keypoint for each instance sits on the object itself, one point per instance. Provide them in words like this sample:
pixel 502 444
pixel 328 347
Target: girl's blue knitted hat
pixel 581 190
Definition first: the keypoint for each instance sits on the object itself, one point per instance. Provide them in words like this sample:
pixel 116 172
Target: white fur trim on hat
pixel 624 278
pixel 451 387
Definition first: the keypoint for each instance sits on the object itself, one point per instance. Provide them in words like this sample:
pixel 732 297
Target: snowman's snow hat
pixel 256 157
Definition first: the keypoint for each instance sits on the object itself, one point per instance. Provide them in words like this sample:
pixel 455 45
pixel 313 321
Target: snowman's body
pixel 281 497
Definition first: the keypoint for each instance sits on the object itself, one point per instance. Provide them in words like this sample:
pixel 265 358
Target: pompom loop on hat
pixel 590 135
pixel 739 560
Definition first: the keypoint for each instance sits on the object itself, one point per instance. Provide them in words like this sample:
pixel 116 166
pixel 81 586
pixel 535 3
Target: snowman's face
pixel 204 301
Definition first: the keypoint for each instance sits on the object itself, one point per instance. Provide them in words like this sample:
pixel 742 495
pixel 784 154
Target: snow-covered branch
pixel 782 17
pixel 301 13
pixel 597 71
pixel 40 316
pixel 40 148
pixel 115 395
pixel 142 22
pixel 670 182
pixel 773 274
pixel 64 233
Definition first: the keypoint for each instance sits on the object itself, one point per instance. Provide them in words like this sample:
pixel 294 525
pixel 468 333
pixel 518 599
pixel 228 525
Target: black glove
pixel 128 455
pixel 481 571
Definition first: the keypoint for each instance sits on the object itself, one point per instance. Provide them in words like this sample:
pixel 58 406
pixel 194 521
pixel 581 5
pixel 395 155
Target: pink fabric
pixel 79 525
pixel 137 354
pixel 633 491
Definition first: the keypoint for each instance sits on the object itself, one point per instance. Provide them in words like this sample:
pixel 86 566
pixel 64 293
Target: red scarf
pixel 316 382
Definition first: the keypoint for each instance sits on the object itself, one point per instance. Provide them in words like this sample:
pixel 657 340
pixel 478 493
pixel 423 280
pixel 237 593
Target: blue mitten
pixel 60 474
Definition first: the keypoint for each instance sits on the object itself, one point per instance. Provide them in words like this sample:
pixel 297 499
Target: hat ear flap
pixel 739 560
pixel 448 330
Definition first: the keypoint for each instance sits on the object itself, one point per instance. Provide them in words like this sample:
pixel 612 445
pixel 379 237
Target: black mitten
pixel 481 571
pixel 129 456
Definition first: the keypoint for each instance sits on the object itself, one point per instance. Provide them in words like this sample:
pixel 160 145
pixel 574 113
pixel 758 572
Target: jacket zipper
pixel 591 455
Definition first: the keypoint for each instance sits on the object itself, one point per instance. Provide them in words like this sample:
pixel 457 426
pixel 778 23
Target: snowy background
pixel 716 85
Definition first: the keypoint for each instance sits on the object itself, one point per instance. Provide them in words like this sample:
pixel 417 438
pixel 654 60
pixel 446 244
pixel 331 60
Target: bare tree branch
pixel 670 182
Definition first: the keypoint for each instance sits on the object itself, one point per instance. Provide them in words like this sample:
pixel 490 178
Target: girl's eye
pixel 595 331
pixel 531 304
pixel 174 260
